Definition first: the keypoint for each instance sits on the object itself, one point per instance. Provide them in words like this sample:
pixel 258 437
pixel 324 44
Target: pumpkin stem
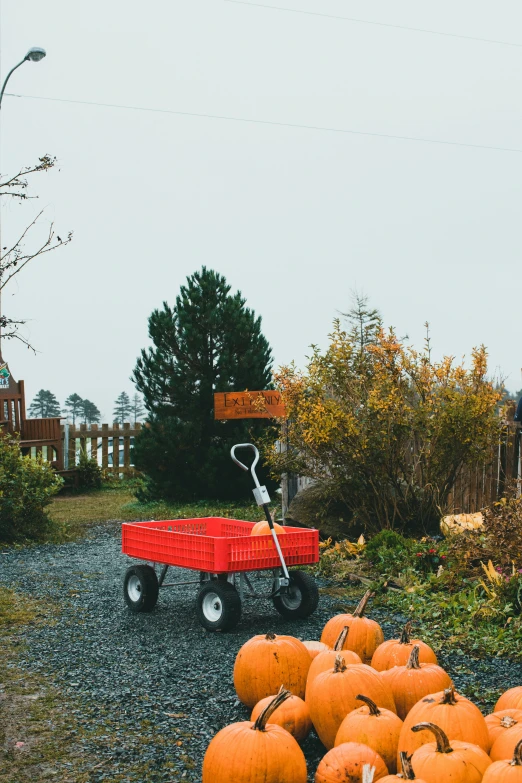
pixel 406 634
pixel 339 644
pixel 449 696
pixel 339 665
pixel 276 702
pixel 374 710
pixel 413 660
pixel 368 774
pixel 407 769
pixel 507 721
pixel 361 606
pixel 270 636
pixel 517 755
pixel 441 739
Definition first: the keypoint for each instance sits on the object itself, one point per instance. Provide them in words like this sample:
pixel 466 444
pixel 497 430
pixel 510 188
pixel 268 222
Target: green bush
pixel 389 552
pixel 89 472
pixel 26 488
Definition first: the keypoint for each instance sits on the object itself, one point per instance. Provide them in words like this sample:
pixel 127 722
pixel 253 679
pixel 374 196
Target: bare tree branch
pixel 14 259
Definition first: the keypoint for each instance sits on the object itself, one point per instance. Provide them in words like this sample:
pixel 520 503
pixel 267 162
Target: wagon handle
pixel 244 467
pixel 262 497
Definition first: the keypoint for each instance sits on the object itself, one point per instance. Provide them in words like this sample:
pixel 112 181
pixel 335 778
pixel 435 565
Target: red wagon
pixel 223 552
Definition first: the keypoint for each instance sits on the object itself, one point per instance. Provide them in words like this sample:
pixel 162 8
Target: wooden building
pixel 37 433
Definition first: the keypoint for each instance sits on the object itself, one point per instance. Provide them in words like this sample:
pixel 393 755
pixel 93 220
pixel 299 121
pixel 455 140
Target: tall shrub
pixel 209 341
pixel 385 429
pixel 26 488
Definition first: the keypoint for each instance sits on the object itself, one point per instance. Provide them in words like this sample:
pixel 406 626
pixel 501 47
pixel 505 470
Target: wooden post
pixel 126 446
pixel 116 447
pixel 105 446
pixel 94 442
pixel 72 446
pixel 83 438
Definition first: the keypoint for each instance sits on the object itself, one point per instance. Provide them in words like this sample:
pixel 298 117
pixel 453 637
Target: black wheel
pixel 141 588
pixel 300 598
pixel 218 606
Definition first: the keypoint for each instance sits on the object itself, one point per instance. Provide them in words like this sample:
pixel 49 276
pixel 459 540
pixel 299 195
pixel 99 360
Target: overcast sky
pixel 295 218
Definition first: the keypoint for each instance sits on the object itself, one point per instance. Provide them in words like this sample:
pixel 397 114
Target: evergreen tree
pixel 73 406
pixel 45 405
pixel 122 408
pixel 90 413
pixel 137 409
pixel 365 321
pixel 209 341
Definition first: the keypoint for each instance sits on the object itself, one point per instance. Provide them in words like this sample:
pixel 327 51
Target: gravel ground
pixel 147 692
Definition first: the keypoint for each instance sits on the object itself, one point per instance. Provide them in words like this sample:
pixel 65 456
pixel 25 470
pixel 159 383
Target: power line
pixel 377 24
pixel 274 123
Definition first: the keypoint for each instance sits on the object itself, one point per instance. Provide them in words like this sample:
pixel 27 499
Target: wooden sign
pixel 248 405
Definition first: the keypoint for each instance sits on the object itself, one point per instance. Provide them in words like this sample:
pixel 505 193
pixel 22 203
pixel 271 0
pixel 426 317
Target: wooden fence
pixel 98 441
pixel 482 485
pixel 475 487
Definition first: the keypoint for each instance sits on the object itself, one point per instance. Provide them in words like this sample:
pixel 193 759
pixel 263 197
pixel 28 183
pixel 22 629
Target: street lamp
pixel 35 54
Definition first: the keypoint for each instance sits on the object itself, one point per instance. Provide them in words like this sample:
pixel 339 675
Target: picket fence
pixel 98 442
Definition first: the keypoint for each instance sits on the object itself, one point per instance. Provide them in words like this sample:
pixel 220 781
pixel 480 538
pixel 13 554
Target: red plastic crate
pixel 216 545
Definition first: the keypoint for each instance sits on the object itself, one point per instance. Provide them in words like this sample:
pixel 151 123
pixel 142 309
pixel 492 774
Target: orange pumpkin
pixel 346 762
pixel 264 663
pixel 373 726
pixel 263 529
pixel 407 772
pixel 314 648
pixel 510 700
pixel 505 744
pixel 325 660
pixel 396 652
pixel 364 636
pixel 506 771
pixel 249 752
pixel 458 718
pixel 334 693
pixel 411 682
pixel 293 715
pixel 461 762
pixel 499 722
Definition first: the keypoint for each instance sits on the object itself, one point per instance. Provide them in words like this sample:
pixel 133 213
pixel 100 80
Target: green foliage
pixel 73 406
pixel 26 488
pixel 45 405
pixel 89 412
pixel 209 341
pixel 454 612
pixel 389 552
pixel 122 408
pixel 137 409
pixel 89 472
pixel 365 322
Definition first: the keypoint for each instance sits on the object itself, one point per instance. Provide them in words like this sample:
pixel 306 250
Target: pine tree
pixel 122 408
pixel 89 412
pixel 137 409
pixel 365 321
pixel 45 405
pixel 209 341
pixel 73 406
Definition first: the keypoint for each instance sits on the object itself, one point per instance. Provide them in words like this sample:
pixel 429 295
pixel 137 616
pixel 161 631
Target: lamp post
pixel 35 54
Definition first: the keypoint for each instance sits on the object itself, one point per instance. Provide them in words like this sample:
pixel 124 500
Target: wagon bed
pixel 216 545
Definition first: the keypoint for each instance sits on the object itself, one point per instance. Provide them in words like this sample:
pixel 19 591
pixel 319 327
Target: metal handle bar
pixel 254 463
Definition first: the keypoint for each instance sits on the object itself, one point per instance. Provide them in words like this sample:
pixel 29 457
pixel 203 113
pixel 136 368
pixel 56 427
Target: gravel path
pixel 119 674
